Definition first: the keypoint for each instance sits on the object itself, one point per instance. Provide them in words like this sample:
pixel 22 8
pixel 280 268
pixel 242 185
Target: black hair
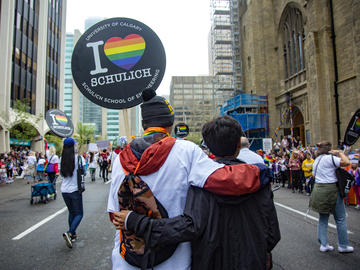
pixel 67 161
pixel 222 136
pixel 104 150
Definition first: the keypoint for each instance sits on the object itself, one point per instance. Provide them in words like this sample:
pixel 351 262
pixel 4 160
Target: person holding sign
pixel 170 167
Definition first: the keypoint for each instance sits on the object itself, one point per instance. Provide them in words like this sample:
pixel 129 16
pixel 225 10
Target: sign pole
pixel 126 124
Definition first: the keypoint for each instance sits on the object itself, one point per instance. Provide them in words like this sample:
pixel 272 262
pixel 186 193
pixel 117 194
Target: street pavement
pixel 31 235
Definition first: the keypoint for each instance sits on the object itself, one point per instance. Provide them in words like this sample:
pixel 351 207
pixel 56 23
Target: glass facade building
pixel 90 112
pixel 25 49
pixel 68 86
pixel 192 98
pixel 52 87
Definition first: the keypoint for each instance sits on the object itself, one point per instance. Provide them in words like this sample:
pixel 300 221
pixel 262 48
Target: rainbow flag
pixel 269 158
pixel 126 52
pixel 61 119
pixel 182 128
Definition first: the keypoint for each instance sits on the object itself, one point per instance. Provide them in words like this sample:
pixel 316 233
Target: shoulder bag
pixel 344 178
pixel 49 167
pixel 80 175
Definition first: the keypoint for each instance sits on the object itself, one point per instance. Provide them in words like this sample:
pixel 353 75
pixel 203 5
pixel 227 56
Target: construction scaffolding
pixel 220 43
pixel 236 46
pixel 251 112
pixel 225 53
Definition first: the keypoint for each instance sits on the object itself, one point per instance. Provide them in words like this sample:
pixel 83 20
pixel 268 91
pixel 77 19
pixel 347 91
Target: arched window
pixel 293 43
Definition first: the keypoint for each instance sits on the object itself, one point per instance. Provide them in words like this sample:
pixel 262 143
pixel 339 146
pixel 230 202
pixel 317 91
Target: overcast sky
pixel 182 26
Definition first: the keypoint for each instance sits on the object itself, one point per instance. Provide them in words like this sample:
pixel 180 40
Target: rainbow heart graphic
pixel 61 119
pixel 357 125
pixel 125 53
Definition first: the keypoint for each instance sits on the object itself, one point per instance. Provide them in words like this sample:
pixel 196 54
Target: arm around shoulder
pixel 237 179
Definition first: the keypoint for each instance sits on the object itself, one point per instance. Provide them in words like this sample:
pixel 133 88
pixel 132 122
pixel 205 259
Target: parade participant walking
pixel 325 198
pixel 104 164
pixel 307 167
pixel 169 167
pixel 40 167
pixel 92 166
pixel 52 167
pixel 248 156
pixel 30 166
pixel 207 216
pixel 69 188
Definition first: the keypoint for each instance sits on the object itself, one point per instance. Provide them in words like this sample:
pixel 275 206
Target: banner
pixel 59 123
pixel 103 144
pixel 115 60
pixel 267 145
pixel 352 133
pixel 92 147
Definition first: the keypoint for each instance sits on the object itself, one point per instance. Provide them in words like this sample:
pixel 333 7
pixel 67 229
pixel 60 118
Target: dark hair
pixel 222 135
pixel 323 148
pixel 91 157
pixel 104 150
pixel 67 161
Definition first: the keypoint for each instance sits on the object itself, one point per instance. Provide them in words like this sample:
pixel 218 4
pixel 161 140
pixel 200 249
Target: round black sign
pixel 59 123
pixel 181 130
pixel 115 60
pixel 352 133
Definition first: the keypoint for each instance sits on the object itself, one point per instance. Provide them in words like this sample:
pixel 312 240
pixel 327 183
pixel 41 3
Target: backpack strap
pixel 317 165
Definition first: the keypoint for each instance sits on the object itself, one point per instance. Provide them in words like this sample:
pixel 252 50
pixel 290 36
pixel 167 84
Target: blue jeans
pixel 74 204
pixel 340 219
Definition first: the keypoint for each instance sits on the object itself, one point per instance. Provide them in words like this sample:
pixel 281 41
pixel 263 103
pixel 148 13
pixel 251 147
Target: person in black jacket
pixel 226 232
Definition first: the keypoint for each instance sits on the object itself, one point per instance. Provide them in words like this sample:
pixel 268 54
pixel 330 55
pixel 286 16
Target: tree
pixel 23 130
pixel 58 142
pixel 84 133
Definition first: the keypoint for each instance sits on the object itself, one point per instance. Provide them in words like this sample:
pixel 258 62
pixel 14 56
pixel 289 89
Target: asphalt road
pixel 42 247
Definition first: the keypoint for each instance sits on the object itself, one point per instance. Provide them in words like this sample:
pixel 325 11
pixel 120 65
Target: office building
pixel 32 40
pixel 193 99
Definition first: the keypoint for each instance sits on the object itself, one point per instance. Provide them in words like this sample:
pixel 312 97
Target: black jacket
pixel 226 232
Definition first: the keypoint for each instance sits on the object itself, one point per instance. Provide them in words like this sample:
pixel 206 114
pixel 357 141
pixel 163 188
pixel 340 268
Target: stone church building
pixel 305 54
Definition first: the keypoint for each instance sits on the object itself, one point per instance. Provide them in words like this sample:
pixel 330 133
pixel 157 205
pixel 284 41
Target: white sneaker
pixel 357 206
pixel 67 239
pixel 326 248
pixel 348 249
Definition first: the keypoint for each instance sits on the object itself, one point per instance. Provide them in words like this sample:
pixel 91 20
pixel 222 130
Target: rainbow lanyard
pixel 154 130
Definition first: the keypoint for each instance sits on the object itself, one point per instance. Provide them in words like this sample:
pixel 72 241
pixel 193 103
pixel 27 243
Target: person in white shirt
pixel 52 158
pixel 92 165
pixel 248 156
pixel 69 188
pixel 169 167
pixel 30 165
pixel 40 167
pixel 325 198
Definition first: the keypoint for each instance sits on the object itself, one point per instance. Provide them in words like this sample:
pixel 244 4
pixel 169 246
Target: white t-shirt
pixel 185 165
pixel 41 161
pixel 249 157
pixel 325 171
pixel 53 159
pixel 31 160
pixel 69 184
pixel 93 164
